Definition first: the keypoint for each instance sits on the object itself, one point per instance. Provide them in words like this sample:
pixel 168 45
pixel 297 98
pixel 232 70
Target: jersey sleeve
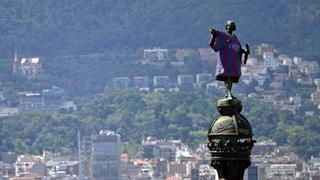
pixel 218 42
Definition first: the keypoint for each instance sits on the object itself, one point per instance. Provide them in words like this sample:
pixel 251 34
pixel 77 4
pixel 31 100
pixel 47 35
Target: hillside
pixel 58 27
pixel 184 116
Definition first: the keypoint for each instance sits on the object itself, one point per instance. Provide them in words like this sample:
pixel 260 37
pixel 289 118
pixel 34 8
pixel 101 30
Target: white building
pixel 29 101
pixel 309 68
pixel 156 54
pixel 29 164
pixel 287 62
pixel 246 79
pixel 281 171
pixel 305 81
pixel 268 55
pixel 181 54
pixel 317 83
pixel 214 85
pixel 141 82
pixel 106 156
pixel 207 54
pixel 315 97
pixel 252 62
pixel 271 63
pixel 8 111
pixel 204 78
pixel 6 170
pixel 185 81
pixel 261 79
pixel 29 67
pixel 1 92
pixel 207 172
pixel 297 60
pixel 284 59
pixel 120 82
pixel 264 48
pixel 295 100
pixel 161 81
pixel 63 169
pixel 254 70
pixel 48 101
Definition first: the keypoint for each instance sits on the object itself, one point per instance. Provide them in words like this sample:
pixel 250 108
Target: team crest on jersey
pixel 235 47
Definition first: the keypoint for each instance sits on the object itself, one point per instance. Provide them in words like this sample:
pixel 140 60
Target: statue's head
pixel 231 25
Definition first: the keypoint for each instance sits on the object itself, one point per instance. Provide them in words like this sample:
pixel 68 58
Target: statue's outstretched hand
pixel 213 31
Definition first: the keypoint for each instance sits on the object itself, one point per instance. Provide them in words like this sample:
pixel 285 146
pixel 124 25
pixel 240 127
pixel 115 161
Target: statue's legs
pixel 228 84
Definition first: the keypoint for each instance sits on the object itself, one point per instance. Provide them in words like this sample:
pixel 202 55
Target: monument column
pixel 230 133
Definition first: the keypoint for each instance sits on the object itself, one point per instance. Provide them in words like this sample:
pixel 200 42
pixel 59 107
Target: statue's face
pixel 231 26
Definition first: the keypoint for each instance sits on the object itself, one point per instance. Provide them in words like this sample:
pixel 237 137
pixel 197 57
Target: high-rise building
pixel 84 150
pixel 251 173
pixel 106 156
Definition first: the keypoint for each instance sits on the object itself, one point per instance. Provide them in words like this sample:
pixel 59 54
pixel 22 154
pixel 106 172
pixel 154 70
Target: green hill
pixel 134 115
pixel 56 27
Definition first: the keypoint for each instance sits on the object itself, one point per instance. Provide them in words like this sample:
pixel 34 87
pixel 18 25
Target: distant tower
pixel 106 156
pixel 252 173
pixel 15 64
pixel 81 159
pixel 84 152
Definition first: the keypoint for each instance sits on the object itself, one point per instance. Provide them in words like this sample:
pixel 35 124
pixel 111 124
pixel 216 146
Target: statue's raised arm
pixel 228 67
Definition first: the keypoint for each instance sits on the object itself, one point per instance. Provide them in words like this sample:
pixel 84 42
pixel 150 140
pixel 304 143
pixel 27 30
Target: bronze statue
pixel 228 67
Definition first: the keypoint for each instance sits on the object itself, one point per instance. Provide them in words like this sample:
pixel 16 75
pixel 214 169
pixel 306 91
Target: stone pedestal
pixel 230 140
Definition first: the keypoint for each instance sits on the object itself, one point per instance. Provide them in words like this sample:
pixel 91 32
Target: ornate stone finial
pixel 230 141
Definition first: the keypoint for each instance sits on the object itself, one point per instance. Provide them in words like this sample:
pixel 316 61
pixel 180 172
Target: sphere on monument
pixel 230 137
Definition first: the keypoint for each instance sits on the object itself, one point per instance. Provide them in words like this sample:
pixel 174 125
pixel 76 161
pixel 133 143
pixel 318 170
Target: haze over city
pixel 111 90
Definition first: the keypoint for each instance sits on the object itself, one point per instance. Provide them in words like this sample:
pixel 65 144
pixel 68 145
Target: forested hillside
pixel 55 27
pixel 135 115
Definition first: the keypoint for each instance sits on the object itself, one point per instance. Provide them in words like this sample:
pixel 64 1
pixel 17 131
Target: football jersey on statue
pixel 229 64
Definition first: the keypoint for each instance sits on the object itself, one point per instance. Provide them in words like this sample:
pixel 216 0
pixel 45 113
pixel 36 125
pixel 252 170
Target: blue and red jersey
pixel 229 64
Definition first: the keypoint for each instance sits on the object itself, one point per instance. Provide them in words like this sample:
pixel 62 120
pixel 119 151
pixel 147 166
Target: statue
pixel 230 136
pixel 228 67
